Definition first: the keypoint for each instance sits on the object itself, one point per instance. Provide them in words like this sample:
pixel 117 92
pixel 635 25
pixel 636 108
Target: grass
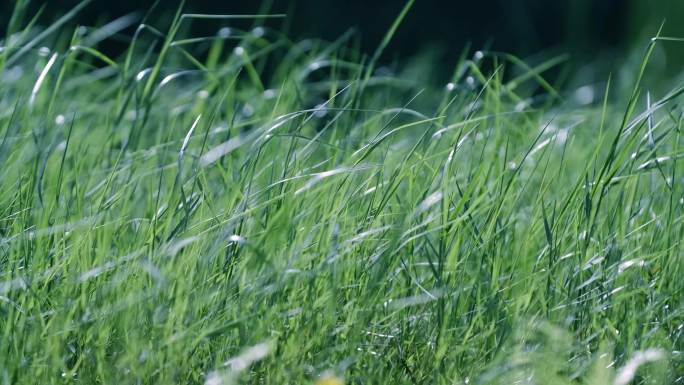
pixel 243 208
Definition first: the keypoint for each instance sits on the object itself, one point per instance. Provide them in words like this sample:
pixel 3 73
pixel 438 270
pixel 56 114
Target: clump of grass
pixel 242 207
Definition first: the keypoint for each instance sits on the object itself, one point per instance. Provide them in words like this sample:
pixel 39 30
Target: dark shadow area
pixel 590 31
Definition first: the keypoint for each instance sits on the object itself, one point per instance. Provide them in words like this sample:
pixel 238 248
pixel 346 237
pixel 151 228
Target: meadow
pixel 245 208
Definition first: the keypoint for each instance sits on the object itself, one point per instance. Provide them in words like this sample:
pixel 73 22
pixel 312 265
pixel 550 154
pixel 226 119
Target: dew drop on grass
pixel 44 51
pixel 258 32
pixel 450 86
pixel 247 110
pixel 60 119
pixel 224 32
pixel 470 81
pixel 203 94
pixel 584 95
pixel 236 238
pixel 141 75
pixel 320 111
pixel 239 51
pixel 315 65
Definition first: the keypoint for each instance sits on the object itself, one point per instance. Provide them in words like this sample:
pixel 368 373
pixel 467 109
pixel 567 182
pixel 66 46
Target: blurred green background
pixel 599 35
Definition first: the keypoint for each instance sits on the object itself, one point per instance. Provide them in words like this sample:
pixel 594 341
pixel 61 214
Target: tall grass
pixel 246 208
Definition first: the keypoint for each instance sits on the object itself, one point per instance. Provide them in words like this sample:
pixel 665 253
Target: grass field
pixel 243 208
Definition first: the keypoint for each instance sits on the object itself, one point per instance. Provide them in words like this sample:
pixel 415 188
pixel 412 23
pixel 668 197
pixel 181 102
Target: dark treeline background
pixel 586 29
